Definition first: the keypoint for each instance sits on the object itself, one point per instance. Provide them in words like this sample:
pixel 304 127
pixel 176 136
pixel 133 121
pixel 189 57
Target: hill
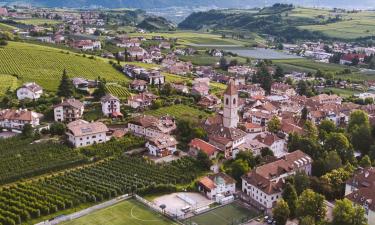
pixel 287 22
pixel 147 4
pixel 154 23
pixel 44 65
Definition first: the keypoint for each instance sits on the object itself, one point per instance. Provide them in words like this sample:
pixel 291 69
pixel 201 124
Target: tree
pixel 340 143
pixel 279 73
pixel 223 63
pixel 238 168
pixel 290 196
pixel 66 87
pixel 248 157
pixel 307 220
pixel 266 152
pixel 356 119
pixel 311 204
pixel 27 131
pixel 310 130
pixel 264 78
pixel 344 213
pixel 204 160
pixel 281 212
pixel 365 161
pixel 361 138
pixel 157 104
pixel 304 113
pixel 274 125
pixel 100 91
pixel 301 182
pixel 355 61
pixel 57 129
pixel 326 127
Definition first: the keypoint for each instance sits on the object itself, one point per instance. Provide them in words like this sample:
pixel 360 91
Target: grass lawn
pixel 6 27
pixel 342 92
pixel 127 212
pixel 229 214
pixel 38 21
pixel 45 65
pixel 178 111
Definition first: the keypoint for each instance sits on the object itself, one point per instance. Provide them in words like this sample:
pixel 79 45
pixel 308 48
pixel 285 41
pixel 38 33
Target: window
pixel 227 101
pixel 234 101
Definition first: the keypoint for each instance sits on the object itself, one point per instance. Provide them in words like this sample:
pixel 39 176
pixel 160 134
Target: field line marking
pixel 134 217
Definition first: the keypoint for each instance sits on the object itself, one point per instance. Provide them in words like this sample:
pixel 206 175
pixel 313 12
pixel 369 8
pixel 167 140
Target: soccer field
pixel 231 214
pixel 129 212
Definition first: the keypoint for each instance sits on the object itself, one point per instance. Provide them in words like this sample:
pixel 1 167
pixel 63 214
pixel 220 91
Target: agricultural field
pixel 24 201
pixel 179 111
pixel 118 90
pixel 6 27
pixel 126 212
pixel 38 21
pixel 20 159
pixel 342 92
pixel 353 25
pixel 7 82
pixel 229 214
pixel 206 60
pixel 310 65
pixel 44 65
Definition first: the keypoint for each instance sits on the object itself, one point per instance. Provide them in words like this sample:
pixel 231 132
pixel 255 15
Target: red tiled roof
pixel 203 146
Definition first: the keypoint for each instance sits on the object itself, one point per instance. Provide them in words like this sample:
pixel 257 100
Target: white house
pixel 273 142
pixel 360 190
pixel 111 106
pixel 68 110
pixel 16 119
pixel 162 145
pixel 217 184
pixel 29 91
pixel 264 184
pixel 82 133
pixel 151 127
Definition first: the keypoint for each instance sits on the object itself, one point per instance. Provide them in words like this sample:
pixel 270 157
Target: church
pixel 222 129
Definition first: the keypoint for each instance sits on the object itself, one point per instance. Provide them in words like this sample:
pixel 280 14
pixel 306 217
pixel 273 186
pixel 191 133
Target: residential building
pixel 111 106
pixel 142 100
pixel 197 145
pixel 139 85
pixel 217 186
pixel 150 126
pixel 29 91
pixel 162 145
pixel 282 89
pixel 360 190
pixel 273 142
pixel 82 133
pixel 16 119
pixel 264 185
pixel 68 110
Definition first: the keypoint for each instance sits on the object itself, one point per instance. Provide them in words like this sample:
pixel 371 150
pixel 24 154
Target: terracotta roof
pixel 23 115
pixel 33 87
pixel 207 183
pixel 163 141
pixel 252 126
pixel 109 97
pixel 288 128
pixel 211 181
pixel 137 82
pixel 231 89
pixel 71 103
pixel 267 138
pixel 203 146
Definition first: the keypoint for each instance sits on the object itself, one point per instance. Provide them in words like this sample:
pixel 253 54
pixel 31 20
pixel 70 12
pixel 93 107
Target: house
pixel 197 145
pixel 181 88
pixel 150 126
pixel 86 45
pixel 282 89
pixel 264 185
pixel 29 91
pixel 3 12
pixel 347 59
pixel 111 106
pixel 136 53
pixel 80 84
pixel 200 89
pixel 360 190
pixel 253 128
pixel 210 102
pixel 217 186
pixel 327 99
pixel 141 100
pixel 273 142
pixel 139 85
pixel 82 133
pixel 164 45
pixel 216 53
pixel 251 90
pixel 162 145
pixel 68 110
pixel 16 119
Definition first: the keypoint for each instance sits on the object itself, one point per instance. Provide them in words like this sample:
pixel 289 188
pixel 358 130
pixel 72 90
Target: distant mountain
pixel 149 4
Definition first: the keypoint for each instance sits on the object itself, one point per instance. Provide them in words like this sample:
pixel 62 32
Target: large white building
pixel 264 184
pixel 217 184
pixel 111 106
pixel 29 91
pixel 82 133
pixel 16 119
pixel 68 110
pixel 360 190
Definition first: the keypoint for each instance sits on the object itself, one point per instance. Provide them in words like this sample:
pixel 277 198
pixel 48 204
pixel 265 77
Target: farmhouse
pixel 141 100
pixel 29 91
pixel 162 145
pixel 150 126
pixel 111 106
pixel 217 186
pixel 282 89
pixel 68 110
pixel 197 145
pixel 264 184
pixel 82 133
pixel 16 119
pixel 138 85
pixel 273 142
pixel 86 45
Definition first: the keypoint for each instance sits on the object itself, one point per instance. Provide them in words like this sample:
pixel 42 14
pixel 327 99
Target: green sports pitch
pixel 129 212
pixel 231 214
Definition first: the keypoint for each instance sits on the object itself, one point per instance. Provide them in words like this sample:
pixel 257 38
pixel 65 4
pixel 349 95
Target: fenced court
pixel 231 214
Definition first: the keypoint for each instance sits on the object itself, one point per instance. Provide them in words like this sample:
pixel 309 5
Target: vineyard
pixel 19 158
pixel 7 82
pixel 118 90
pixel 44 65
pixel 109 179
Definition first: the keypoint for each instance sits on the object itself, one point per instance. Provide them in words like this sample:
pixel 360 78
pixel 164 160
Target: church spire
pixel 231 89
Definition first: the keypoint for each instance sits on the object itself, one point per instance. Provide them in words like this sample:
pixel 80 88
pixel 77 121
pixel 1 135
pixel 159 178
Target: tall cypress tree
pixel 66 87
